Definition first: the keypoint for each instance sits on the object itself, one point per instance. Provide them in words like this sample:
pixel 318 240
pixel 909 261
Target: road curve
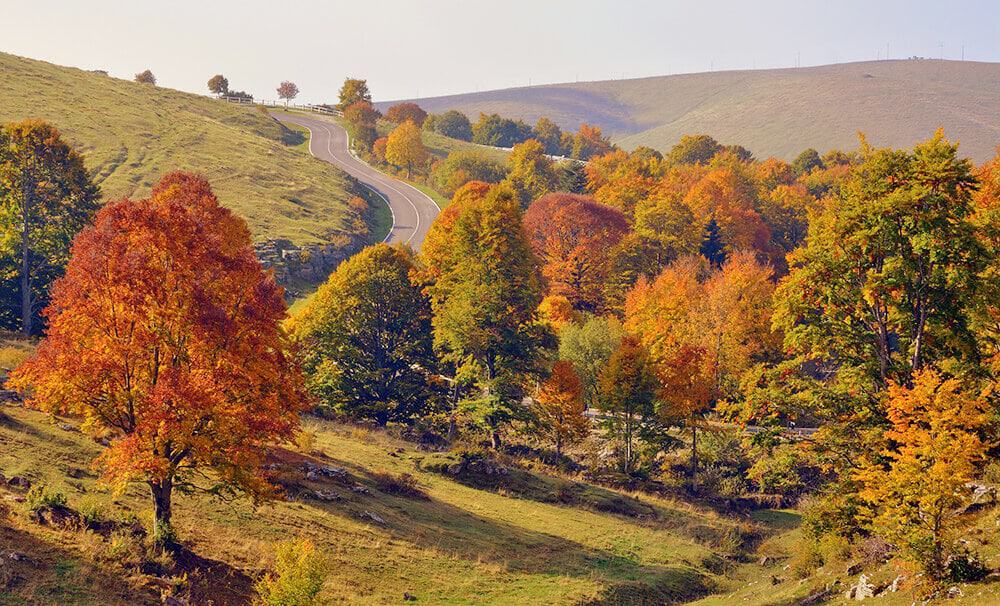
pixel 412 210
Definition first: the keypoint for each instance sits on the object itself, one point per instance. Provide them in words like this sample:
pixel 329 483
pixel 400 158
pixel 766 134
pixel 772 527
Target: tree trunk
pixel 628 443
pixel 694 457
pixel 495 439
pixel 26 315
pixel 161 491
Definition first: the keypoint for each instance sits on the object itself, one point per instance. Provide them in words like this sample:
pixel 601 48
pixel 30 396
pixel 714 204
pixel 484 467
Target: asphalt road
pixel 412 210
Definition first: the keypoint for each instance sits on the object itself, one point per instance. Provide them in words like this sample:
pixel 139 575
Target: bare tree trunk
pixel 161 491
pixel 694 457
pixel 26 303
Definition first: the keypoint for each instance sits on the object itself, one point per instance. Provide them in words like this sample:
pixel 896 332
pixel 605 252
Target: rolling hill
pixel 775 112
pixel 131 134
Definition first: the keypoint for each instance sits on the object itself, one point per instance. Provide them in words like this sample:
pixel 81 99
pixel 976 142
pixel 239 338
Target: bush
pixel 91 512
pixel 403 484
pixel 298 577
pixel 965 567
pixel 806 558
pixel 39 498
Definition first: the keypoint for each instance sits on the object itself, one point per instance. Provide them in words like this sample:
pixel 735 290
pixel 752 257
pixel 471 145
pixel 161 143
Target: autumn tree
pixel 463 166
pixel 588 345
pixel 557 312
pixel 366 338
pixel 354 90
pixel 405 147
pixel 572 236
pixel 549 135
pixel 493 130
pixel 588 142
pixel 530 173
pixel 628 388
pixel 485 298
pixel 165 335
pixel 401 112
pixel 985 315
pixel 145 77
pixel 46 197
pixel 287 90
pixel 560 406
pixel 218 85
pixel 915 488
pixel 624 180
pixel 362 119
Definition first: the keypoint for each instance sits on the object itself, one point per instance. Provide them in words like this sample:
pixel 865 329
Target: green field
pixel 131 134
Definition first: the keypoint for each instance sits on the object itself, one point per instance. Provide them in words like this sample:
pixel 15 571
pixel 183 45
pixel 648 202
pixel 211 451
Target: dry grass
pixel 776 112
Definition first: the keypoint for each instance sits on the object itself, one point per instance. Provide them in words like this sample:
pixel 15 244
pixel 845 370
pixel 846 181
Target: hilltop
pixel 775 112
pixel 131 134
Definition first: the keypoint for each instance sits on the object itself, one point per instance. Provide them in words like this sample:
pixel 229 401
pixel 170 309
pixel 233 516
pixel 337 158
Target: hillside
pixel 131 134
pixel 776 112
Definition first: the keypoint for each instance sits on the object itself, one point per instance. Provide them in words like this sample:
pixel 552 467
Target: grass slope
pixel 131 134
pixel 776 112
pixel 461 545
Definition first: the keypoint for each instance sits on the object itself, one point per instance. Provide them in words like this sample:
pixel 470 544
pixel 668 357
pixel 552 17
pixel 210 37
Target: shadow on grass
pixel 292 137
pixel 442 527
pixel 51 575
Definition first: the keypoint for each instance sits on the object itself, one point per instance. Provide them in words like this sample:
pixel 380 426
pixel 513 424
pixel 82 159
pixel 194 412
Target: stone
pixel 864 589
pixel 358 488
pixel 9 397
pixel 66 427
pixel 326 495
pixel 954 592
pixel 894 586
pixel 409 597
pixel 19 482
pixel 374 517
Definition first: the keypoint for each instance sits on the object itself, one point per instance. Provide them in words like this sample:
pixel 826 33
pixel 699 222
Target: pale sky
pixel 413 48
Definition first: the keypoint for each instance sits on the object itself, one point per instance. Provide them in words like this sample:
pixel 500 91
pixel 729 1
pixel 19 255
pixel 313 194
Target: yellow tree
pixel 560 406
pixel 405 147
pixel 914 489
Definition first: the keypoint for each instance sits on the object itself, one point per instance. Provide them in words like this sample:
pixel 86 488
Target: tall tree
pixel 354 90
pixel 218 84
pixel 145 77
pixel 366 338
pixel 287 90
pixel 362 119
pixel 588 346
pixel 589 143
pixel 573 237
pixel 401 112
pixel 530 173
pixel 628 389
pixel 485 298
pixel 165 334
pixel 549 135
pixel 693 149
pixel 405 147
pixel 560 406
pixel 46 197
pixel 454 124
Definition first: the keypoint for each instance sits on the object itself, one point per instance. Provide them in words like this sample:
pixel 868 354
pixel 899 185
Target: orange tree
pixel 560 406
pixel 405 147
pixel 165 335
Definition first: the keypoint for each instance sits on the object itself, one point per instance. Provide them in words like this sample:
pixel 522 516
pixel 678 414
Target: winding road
pixel 412 210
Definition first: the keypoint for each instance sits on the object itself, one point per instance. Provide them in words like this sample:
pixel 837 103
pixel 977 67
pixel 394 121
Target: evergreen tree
pixel 712 246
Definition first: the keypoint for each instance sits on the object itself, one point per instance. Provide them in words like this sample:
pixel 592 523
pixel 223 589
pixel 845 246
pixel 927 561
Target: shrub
pixel 965 567
pixel 39 497
pixel 403 484
pixel 806 558
pixel 91 512
pixel 306 441
pixel 299 573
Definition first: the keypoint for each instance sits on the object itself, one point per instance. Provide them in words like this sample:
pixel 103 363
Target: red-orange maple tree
pixel 165 336
pixel 574 237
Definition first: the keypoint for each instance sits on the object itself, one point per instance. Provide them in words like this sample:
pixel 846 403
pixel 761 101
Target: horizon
pixel 601 42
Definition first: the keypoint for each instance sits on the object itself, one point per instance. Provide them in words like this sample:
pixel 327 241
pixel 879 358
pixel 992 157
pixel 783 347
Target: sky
pixel 420 48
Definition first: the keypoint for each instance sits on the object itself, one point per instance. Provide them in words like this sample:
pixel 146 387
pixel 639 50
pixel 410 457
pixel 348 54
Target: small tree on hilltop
pixel 145 77
pixel 560 406
pixel 353 91
pixel 218 84
pixel 287 91
pixel 166 334
pixel 405 147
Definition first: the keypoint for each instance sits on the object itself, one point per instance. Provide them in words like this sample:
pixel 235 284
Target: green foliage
pixel 530 173
pixel 299 573
pixel 549 135
pixel 353 90
pixel 366 338
pixel 712 246
pixel 693 149
pixel 453 124
pixel 39 497
pixel 499 132
pixel 806 161
pixel 589 345
pixel 462 166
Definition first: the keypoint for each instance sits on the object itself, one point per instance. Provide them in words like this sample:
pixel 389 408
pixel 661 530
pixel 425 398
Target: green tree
pixel 588 346
pixel 628 388
pixel 463 166
pixel 366 338
pixel 530 173
pixel 712 246
pixel 693 149
pixel 362 118
pixel 485 301
pixel 454 124
pixel 806 161
pixel 499 132
pixel 353 91
pixel 46 197
pixel 549 135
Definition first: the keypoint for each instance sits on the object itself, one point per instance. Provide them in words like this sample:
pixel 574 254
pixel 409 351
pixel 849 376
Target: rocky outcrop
pixel 294 264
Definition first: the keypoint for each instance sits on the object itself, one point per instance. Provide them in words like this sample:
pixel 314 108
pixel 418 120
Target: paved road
pixel 412 210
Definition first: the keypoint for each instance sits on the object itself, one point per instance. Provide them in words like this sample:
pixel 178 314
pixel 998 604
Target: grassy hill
pixel 776 112
pixel 131 134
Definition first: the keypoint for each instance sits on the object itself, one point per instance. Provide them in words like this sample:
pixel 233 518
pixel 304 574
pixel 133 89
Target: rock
pixel 312 476
pixel 954 592
pixel 172 600
pixel 853 569
pixel 764 560
pixel 9 397
pixel 326 495
pixel 894 586
pixel 374 517
pixel 358 488
pixel 17 556
pixel 409 597
pixel 19 482
pixel 455 469
pixel 863 589
pixel 66 427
